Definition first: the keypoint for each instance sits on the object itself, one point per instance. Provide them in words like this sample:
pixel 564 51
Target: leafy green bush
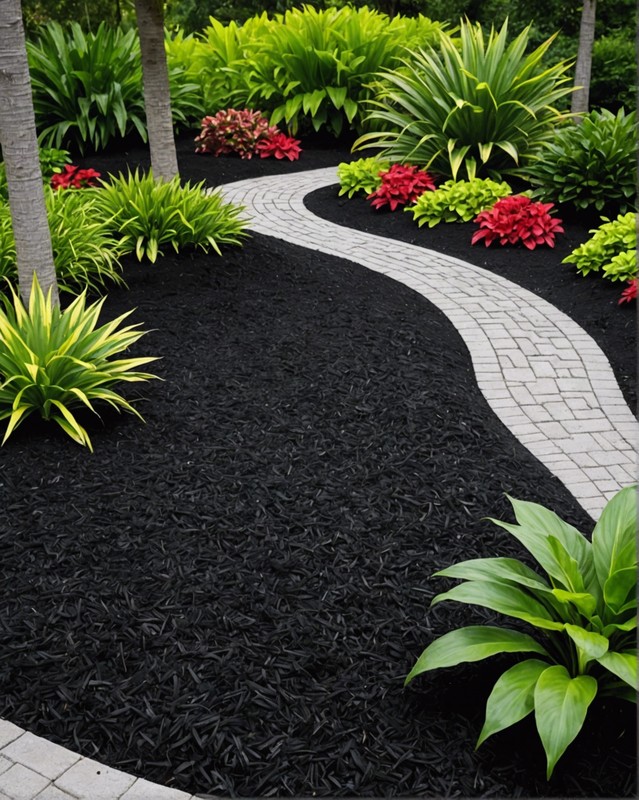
pixel 585 611
pixel 613 81
pixel 52 361
pixel 611 250
pixel 144 214
pixel 362 175
pixel 457 201
pixel 85 253
pixel 87 88
pixel 51 162
pixel 481 105
pixel 591 165
pixel 314 67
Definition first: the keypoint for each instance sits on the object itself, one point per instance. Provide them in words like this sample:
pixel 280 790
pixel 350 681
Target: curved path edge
pixel 542 374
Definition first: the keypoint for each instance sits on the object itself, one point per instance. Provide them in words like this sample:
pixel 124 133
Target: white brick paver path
pixel 544 377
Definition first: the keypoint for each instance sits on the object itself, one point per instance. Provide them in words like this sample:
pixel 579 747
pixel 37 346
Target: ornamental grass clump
pixel 54 361
pixel 468 105
pixel 517 219
pixel 360 176
pixel 457 201
pixel 400 185
pixel 583 611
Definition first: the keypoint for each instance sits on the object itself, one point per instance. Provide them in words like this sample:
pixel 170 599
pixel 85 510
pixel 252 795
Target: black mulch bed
pixel 226 600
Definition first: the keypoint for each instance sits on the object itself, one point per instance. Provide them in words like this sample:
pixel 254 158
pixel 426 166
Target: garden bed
pixel 227 599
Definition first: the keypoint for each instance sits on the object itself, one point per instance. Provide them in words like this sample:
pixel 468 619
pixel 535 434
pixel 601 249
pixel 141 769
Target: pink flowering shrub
pixel 279 145
pixel 401 184
pixel 629 293
pixel 74 178
pixel 517 218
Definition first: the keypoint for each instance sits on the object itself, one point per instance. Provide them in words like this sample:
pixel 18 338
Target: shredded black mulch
pixel 227 599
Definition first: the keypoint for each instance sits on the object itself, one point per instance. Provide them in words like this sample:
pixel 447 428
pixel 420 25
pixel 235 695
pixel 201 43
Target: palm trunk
pixel 21 157
pixel 157 97
pixel 583 67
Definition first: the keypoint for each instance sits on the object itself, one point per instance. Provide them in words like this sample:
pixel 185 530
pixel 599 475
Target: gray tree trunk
pixel 583 67
pixel 21 157
pixel 157 98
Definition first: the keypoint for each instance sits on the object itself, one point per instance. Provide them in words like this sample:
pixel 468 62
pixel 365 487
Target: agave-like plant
pixel 584 612
pixel 472 103
pixel 52 361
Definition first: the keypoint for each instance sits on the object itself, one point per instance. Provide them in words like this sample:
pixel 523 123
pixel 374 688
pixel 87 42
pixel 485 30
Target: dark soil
pixel 227 599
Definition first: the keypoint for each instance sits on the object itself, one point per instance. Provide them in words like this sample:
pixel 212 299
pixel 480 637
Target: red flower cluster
pixel 244 133
pixel 629 293
pixel 279 145
pixel 402 184
pixel 74 178
pixel 517 219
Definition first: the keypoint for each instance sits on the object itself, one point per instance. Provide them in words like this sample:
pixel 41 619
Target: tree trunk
pixel 157 97
pixel 21 157
pixel 583 66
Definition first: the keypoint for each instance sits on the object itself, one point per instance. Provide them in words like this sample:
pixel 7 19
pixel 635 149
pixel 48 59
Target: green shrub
pixel 52 361
pixel 590 165
pixel 584 611
pixel 85 253
pixel 480 105
pixel 457 201
pixel 613 81
pixel 362 175
pixel 611 250
pixel 87 88
pixel 144 214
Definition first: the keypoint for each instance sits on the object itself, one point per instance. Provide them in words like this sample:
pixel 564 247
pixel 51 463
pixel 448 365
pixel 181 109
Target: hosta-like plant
pixel 145 214
pixel 54 361
pixel 457 201
pixel 362 175
pixel 612 250
pixel 476 106
pixel 590 165
pixel 517 219
pixel 582 605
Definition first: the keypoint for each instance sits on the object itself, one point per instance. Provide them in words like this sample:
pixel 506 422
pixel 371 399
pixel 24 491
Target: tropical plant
pixel 85 253
pixel 611 250
pixel 613 81
pixel 52 162
pixel 144 213
pixel 629 293
pixel 457 201
pixel 517 219
pixel 72 177
pixel 361 175
pixel 87 88
pixel 481 105
pixel 400 185
pixel 279 145
pixel 590 165
pixel 584 612
pixel 52 361
pixel 233 132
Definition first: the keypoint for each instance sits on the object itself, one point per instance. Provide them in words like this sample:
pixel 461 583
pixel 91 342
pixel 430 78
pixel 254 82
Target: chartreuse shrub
pixel 85 253
pixel 53 361
pixel 476 106
pixel 612 250
pixel 590 165
pixel 87 88
pixel 457 201
pixel 361 175
pixel 314 68
pixel 144 214
pixel 583 611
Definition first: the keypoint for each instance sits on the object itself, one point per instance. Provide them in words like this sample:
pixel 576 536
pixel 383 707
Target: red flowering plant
pixel 629 293
pixel 73 177
pixel 401 184
pixel 517 218
pixel 279 145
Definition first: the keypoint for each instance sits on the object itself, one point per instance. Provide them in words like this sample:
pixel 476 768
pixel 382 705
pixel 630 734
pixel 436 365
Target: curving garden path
pixel 543 375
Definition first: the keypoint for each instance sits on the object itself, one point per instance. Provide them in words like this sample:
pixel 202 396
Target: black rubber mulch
pixel 227 599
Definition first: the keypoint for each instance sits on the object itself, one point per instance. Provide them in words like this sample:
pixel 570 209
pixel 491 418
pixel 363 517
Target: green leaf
pixel 561 705
pixel 592 644
pixel 618 586
pixel 512 697
pixel 585 603
pixel 623 665
pixel 472 643
pixel 614 544
pixel 508 570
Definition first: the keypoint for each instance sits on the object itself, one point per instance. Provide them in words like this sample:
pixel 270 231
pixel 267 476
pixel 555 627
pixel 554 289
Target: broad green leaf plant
pixel 53 360
pixel 583 612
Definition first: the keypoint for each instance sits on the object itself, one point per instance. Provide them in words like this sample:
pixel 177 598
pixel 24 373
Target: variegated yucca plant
pixel 584 612
pixel 53 360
